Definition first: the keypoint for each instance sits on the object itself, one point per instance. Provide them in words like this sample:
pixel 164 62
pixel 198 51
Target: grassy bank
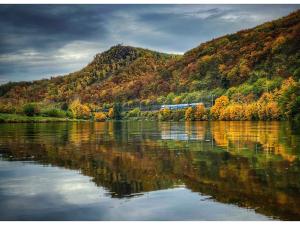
pixel 16 118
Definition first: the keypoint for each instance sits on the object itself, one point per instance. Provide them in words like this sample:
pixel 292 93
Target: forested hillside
pixel 119 73
pixel 258 65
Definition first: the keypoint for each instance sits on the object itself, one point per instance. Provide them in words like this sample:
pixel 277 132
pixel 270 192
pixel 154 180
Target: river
pixel 133 170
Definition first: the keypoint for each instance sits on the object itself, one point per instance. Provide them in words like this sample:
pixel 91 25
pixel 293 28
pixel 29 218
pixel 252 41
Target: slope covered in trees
pixel 261 64
pixel 119 73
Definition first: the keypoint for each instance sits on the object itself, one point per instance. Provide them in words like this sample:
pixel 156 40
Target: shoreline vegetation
pixel 16 118
pixel 281 104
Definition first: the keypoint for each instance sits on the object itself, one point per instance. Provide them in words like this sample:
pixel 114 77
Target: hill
pixel 119 73
pixel 242 66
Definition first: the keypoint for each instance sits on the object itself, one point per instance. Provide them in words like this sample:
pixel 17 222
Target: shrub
pixel 189 114
pixel 150 115
pixel 134 112
pixel 178 115
pixel 164 114
pixel 64 106
pixel 69 114
pixel 272 111
pixel 54 113
pixel 236 112
pixel 250 111
pixel 79 110
pixel 115 112
pixel 224 114
pixel 199 113
pixel 111 113
pixel 99 116
pixel 7 108
pixel 31 109
pixel 219 106
pixel 289 100
pixel 269 111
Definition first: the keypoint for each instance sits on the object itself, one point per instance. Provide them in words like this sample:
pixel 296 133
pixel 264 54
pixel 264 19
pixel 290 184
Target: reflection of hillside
pixel 129 158
pixel 270 137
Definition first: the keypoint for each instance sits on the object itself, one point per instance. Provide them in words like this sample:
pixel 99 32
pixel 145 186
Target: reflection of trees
pixel 270 137
pixel 230 161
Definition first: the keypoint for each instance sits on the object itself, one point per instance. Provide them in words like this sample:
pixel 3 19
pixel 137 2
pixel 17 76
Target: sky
pixel 40 41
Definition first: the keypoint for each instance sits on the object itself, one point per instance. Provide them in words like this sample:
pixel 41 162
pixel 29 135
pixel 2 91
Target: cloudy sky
pixel 40 41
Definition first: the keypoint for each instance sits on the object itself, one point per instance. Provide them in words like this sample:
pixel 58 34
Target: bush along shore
pixel 281 105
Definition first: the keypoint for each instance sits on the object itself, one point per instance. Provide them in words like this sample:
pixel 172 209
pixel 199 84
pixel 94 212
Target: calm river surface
pixel 150 171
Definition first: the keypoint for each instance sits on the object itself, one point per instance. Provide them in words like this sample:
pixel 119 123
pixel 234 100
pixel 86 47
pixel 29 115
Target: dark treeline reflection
pixel 250 164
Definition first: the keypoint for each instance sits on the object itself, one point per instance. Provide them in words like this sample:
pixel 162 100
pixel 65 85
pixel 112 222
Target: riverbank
pixel 16 118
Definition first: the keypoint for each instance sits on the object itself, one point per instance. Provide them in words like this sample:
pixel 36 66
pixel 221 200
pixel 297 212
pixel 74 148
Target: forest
pixel 253 74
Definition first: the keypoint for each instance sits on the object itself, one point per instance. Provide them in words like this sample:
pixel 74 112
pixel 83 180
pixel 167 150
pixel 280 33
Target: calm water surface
pixel 150 171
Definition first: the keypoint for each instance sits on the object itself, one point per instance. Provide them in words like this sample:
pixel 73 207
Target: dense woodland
pixel 252 75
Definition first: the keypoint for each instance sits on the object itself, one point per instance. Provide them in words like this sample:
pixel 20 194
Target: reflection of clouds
pixel 190 131
pixel 178 204
pixel 34 180
pixel 34 192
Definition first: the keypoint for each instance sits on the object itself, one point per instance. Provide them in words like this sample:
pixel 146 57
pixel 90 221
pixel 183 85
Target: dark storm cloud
pixel 38 41
pixel 43 26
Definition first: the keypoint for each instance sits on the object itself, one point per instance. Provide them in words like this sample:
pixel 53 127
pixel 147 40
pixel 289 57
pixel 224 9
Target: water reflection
pixel 250 164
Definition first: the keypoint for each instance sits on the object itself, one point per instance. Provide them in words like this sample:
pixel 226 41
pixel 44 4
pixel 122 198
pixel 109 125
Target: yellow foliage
pixel 164 114
pixel 269 111
pixel 206 58
pixel 79 110
pixel 165 111
pixel 99 116
pixel 232 112
pixel 219 106
pixel 287 84
pixel 278 42
pixel 266 97
pixel 111 113
pixel 224 114
pixel 236 112
pixel 250 111
pixel 222 68
pixel 7 107
pixel 244 68
pixel 273 110
pixel 177 100
pixel 199 112
pixel 189 114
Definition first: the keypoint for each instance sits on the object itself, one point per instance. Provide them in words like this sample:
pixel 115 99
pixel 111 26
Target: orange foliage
pixel 250 111
pixel 269 111
pixel 189 114
pixel 79 110
pixel 199 113
pixel 99 116
pixel 219 106
pixel 111 113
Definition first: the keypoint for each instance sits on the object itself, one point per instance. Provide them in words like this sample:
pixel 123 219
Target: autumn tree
pixel 164 114
pixel 79 110
pixel 99 116
pixel 289 98
pixel 115 111
pixel 219 106
pixel 200 113
pixel 189 114
pixel 31 109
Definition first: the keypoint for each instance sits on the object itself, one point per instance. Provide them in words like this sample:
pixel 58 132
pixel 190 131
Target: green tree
pixel 31 109
pixel 115 111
